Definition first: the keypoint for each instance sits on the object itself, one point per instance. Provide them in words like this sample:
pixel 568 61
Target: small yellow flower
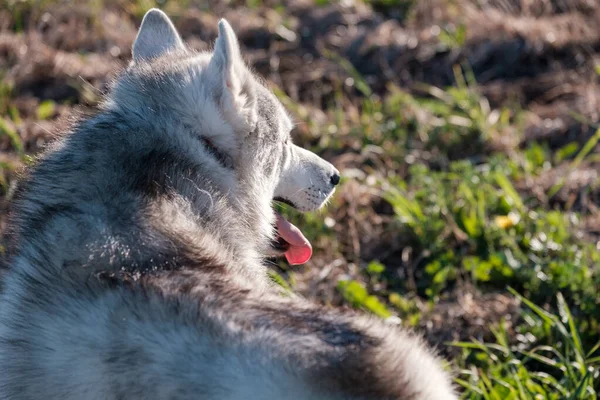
pixel 506 221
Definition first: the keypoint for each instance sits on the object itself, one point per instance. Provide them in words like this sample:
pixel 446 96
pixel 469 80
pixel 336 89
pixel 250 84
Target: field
pixel 467 135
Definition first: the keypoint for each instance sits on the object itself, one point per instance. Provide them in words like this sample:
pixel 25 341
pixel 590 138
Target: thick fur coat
pixel 136 246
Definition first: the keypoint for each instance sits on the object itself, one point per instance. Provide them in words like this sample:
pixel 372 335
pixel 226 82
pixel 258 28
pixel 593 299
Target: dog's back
pixel 134 263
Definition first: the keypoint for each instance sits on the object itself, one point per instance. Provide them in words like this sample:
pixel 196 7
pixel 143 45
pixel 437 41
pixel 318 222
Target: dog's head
pixel 233 118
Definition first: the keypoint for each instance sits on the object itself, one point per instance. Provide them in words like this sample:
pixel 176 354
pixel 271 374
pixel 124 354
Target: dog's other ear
pixel 233 79
pixel 156 36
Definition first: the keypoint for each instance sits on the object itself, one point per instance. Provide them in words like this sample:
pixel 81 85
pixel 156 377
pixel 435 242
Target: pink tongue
pixel 300 249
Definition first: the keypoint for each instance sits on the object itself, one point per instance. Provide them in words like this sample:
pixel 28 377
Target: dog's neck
pixel 206 176
pixel 172 194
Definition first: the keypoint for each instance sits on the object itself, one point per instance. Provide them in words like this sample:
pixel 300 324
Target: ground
pixel 466 132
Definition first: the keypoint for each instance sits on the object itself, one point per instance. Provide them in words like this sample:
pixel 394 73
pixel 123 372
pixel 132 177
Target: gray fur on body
pixel 136 246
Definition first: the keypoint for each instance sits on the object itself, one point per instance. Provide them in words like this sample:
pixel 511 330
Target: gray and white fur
pixel 136 244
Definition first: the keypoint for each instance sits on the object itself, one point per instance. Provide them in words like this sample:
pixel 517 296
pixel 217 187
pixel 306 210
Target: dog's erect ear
pixel 156 36
pixel 227 56
pixel 233 81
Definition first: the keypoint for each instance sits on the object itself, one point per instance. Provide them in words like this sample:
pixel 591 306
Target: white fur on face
pixel 305 179
pixel 218 96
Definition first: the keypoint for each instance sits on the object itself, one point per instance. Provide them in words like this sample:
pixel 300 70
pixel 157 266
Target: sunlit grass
pixel 457 206
pixel 555 364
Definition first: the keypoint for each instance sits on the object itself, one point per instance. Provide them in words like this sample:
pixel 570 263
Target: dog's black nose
pixel 335 179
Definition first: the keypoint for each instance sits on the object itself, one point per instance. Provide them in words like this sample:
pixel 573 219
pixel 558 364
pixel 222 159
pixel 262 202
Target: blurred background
pixel 466 132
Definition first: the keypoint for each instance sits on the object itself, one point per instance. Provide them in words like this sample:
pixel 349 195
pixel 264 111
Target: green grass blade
pixel 509 189
pixel 565 313
pixel 581 388
pixel 545 315
pixel 13 135
pixel 585 150
pixel 593 350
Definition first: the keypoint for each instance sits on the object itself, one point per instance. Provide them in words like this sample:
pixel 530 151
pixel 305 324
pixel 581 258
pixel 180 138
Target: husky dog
pixel 135 256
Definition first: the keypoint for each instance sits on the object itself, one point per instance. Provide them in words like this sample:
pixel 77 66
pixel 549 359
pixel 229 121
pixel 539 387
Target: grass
pixel 461 212
pixel 9 119
pixel 448 169
pixel 550 364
